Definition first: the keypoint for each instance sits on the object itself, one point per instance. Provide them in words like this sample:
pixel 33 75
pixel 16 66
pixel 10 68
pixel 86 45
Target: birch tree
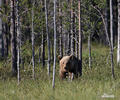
pixel 13 39
pixel 76 38
pixel 72 28
pixel 80 38
pixel 54 64
pixel 48 37
pixel 33 51
pixel 18 41
pixel 118 48
pixel 89 47
pixel 60 30
pixel 43 39
pixel 111 32
pixel 69 31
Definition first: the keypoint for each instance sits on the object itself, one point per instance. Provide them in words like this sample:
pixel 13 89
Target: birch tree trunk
pixel 33 51
pixel 76 37
pixel 60 31
pixel 118 48
pixel 108 16
pixel 43 39
pixel 80 39
pixel 111 32
pixel 13 39
pixel 89 47
pixel 39 55
pixel 43 48
pixel 54 64
pixel 18 41
pixel 72 28
pixel 69 31
pixel 115 21
pixel 48 36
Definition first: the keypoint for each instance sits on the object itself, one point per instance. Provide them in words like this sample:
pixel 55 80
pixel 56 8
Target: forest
pixel 44 41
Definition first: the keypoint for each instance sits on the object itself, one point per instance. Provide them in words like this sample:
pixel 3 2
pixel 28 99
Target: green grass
pixel 91 86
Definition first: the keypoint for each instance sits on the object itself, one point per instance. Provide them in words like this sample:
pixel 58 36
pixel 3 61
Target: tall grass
pixel 92 85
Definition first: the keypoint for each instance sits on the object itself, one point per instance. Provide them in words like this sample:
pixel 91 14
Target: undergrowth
pixel 92 85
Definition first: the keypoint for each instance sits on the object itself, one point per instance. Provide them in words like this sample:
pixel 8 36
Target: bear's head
pixel 66 62
pixel 70 62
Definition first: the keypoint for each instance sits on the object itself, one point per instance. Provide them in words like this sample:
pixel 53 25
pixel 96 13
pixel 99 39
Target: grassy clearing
pixel 92 85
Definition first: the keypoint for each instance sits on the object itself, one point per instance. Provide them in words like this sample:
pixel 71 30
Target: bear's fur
pixel 69 66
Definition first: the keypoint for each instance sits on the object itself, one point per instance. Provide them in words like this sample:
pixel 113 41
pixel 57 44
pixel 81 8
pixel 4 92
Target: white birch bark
pixel 118 48
pixel 33 52
pixel 18 41
pixel 111 32
pixel 48 36
pixel 89 47
pixel 54 65
pixel 80 37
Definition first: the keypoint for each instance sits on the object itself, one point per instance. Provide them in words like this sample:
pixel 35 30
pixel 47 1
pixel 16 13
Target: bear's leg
pixel 63 75
pixel 71 76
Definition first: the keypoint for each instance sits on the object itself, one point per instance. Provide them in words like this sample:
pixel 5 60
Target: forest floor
pixel 95 84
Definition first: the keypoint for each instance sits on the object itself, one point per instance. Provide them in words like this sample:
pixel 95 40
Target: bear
pixel 69 66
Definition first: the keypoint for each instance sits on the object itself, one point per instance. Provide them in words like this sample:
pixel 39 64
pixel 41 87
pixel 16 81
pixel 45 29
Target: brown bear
pixel 69 66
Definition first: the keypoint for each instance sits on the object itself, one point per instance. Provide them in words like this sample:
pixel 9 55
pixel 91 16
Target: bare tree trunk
pixel 13 39
pixel 115 21
pixel 72 28
pixel 76 37
pixel 118 48
pixel 54 65
pixel 89 47
pixel 48 37
pixel 33 51
pixel 39 55
pixel 43 48
pixel 69 30
pixel 52 50
pixel 77 45
pixel 80 39
pixel 68 44
pixel 43 39
pixel 60 30
pixel 111 31
pixel 18 41
pixel 108 16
